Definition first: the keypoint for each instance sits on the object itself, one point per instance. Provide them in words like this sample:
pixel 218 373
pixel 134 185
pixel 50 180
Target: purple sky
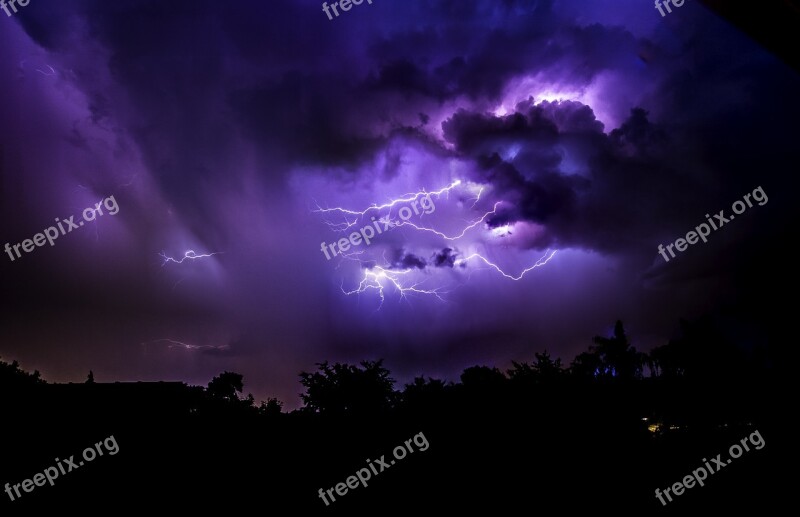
pixel 595 128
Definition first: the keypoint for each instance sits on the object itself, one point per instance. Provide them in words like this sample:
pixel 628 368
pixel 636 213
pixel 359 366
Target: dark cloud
pixel 406 260
pixel 445 258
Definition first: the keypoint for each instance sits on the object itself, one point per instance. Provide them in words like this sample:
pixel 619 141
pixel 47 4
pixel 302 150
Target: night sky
pixel 593 129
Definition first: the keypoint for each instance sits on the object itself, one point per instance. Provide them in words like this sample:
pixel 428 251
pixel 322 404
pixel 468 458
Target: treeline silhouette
pixel 602 432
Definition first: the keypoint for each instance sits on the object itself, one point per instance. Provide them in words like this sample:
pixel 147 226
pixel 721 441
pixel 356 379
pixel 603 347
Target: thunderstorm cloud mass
pixel 517 163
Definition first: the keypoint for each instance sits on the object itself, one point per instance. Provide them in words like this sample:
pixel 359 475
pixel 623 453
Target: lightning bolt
pixel 378 278
pixel 405 198
pixel 52 71
pixel 189 255
pixel 171 343
pixel 477 198
pixel 446 237
pixel 341 227
pixel 539 263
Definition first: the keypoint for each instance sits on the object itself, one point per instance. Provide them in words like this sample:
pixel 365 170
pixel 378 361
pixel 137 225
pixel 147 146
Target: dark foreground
pixel 563 448
pixel 598 435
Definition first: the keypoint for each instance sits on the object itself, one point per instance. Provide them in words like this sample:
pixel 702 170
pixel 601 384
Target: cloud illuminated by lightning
pixel 502 231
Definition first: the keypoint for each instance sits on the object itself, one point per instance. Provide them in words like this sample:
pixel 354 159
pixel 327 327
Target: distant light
pixel 501 231
pixel 501 111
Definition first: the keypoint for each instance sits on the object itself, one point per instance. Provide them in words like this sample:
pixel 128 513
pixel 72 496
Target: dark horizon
pixel 703 393
pixel 648 362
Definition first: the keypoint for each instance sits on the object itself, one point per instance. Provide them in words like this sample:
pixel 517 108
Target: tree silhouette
pixel 341 388
pixel 543 371
pixel 12 374
pixel 270 407
pixel 700 352
pixel 587 364
pixel 619 358
pixel 226 386
pixel 611 358
pixel 482 377
pixel 422 393
pixel 482 385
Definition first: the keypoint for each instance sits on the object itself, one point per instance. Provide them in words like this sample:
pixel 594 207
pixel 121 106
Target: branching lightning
pixel 446 237
pixel 189 255
pixel 405 198
pixel 171 343
pixel 477 198
pixel 52 71
pixel 376 277
pixel 539 263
